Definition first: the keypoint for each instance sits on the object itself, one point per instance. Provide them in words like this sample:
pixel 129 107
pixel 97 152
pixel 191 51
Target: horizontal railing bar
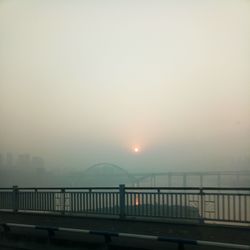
pixel 189 188
pixel 162 188
pixel 218 194
pixel 169 193
pixel 60 188
pixel 227 220
pixel 128 235
pixel 130 188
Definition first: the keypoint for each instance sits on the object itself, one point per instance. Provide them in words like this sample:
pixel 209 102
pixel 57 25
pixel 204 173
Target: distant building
pixel 9 160
pixel 37 162
pixel 1 160
pixel 24 161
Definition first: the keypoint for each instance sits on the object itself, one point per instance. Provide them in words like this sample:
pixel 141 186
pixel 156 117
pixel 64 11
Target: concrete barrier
pixel 108 236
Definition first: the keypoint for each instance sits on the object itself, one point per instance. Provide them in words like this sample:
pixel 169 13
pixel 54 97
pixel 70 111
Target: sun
pixel 136 149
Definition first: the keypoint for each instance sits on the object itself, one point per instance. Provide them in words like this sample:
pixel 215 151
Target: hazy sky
pixel 83 82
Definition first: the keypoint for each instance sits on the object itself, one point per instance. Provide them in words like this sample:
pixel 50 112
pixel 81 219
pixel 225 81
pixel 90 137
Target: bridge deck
pixel 232 234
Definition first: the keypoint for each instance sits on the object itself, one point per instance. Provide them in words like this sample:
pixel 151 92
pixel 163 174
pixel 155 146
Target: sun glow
pixel 136 149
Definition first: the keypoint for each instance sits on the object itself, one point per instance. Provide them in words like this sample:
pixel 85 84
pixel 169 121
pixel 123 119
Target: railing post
pixel 158 201
pixel 15 199
pixel 63 200
pixel 35 204
pixel 202 206
pixel 122 200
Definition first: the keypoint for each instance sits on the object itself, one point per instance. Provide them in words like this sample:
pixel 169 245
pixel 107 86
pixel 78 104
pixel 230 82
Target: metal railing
pixel 201 204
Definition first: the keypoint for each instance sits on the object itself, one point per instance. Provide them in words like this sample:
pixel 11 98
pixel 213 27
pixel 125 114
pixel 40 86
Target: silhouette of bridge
pixel 104 174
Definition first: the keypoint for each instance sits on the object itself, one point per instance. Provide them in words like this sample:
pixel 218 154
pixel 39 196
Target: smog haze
pixel 147 85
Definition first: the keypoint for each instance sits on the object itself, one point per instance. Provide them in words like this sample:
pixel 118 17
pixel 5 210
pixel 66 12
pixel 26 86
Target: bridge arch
pixel 106 174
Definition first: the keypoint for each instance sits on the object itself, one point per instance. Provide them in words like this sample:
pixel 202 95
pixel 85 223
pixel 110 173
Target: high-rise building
pixel 37 162
pixel 38 165
pixel 24 161
pixel 1 160
pixel 9 160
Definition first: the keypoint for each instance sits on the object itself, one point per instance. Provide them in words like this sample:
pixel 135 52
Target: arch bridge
pixel 111 174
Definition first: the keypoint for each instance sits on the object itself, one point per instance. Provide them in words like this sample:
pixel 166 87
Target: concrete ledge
pixel 231 234
pixel 134 218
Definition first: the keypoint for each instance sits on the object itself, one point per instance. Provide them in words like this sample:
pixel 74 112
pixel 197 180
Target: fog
pixel 83 82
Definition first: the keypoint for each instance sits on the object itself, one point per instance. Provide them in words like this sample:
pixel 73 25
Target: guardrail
pixel 108 235
pixel 202 204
